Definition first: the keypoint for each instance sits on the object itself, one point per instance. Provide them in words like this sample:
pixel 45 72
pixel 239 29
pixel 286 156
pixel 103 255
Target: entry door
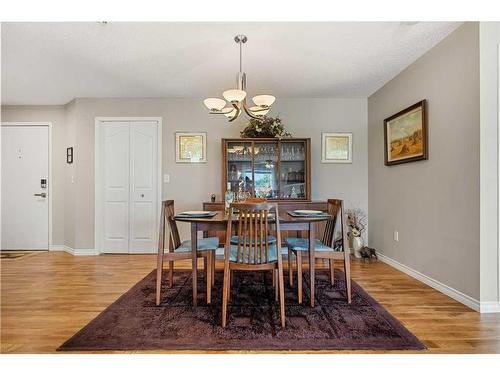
pixel 130 183
pixel 25 203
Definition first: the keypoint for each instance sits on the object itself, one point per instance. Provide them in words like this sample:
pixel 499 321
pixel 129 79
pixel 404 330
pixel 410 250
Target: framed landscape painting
pixel 336 147
pixel 190 147
pixel 405 135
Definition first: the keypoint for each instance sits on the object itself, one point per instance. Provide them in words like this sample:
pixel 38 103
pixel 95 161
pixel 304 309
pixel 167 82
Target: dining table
pixel 218 222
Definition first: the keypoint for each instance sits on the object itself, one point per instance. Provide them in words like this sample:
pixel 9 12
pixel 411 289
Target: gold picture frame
pixel 190 147
pixel 405 135
pixel 336 147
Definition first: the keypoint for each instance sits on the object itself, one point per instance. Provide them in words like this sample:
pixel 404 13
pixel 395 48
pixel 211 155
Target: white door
pixel 116 155
pixel 25 203
pixel 143 186
pixel 129 179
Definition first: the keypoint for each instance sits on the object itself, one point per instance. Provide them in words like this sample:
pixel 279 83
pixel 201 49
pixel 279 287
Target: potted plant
pixel 356 220
pixel 265 127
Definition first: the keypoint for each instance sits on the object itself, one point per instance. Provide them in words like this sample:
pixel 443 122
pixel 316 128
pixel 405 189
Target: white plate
pixel 196 213
pixel 308 212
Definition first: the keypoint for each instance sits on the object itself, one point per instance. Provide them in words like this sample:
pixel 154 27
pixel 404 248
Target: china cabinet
pixel 271 168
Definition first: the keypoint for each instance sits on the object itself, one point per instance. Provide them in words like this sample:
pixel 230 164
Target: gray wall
pixel 489 70
pixel 434 204
pixel 192 184
pixel 70 195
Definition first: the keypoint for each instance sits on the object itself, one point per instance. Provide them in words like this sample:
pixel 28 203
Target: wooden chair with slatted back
pixel 330 248
pixel 255 249
pixel 178 250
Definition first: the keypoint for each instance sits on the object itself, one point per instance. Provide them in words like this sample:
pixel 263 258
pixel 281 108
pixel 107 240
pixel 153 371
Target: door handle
pixel 43 195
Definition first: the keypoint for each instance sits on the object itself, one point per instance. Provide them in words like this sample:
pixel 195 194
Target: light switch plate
pixel 166 178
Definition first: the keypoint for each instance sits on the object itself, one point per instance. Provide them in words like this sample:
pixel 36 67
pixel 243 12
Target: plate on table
pixel 197 213
pixel 308 212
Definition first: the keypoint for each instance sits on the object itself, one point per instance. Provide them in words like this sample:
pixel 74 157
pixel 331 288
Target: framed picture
pixel 69 155
pixel 336 147
pixel 190 147
pixel 405 135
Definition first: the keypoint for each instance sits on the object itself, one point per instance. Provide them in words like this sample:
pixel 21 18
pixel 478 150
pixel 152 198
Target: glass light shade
pixel 234 95
pixel 230 114
pixel 263 100
pixel 259 111
pixel 214 103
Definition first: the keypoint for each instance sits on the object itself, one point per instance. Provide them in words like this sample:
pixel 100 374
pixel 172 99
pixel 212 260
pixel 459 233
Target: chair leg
pixel 231 275
pixel 281 283
pixel 225 294
pixel 170 274
pixel 208 279
pixel 347 272
pixel 298 257
pixel 159 272
pixel 332 276
pixel 290 269
pixel 274 279
pixel 276 285
pixel 213 269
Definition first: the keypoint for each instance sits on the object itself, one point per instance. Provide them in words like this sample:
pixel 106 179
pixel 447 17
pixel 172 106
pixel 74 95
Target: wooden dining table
pixel 219 223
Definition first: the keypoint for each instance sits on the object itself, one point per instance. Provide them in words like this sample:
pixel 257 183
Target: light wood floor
pixel 48 297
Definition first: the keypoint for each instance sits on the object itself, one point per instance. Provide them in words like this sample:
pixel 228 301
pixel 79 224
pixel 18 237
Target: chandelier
pixel 237 97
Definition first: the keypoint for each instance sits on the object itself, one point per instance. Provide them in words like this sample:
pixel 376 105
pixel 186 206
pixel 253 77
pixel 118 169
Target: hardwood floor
pixel 48 297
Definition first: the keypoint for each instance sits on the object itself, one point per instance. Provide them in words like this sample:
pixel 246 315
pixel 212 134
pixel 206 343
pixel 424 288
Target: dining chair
pixel 254 250
pixel 178 250
pixel 330 248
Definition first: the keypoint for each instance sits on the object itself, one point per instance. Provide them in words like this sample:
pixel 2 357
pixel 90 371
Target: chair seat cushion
pixel 302 244
pixel 270 240
pixel 210 243
pixel 272 255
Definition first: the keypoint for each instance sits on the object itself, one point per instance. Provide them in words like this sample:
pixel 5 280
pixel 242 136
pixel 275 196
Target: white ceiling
pixel 52 63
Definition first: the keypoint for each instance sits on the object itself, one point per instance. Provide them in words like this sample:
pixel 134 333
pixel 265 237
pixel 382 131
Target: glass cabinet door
pixel 239 166
pixel 293 170
pixel 266 169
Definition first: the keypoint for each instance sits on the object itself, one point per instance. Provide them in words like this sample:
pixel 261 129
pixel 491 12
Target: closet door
pixel 143 186
pixel 115 150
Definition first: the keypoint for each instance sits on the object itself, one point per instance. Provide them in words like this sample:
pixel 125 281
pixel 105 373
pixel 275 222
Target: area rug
pixel 134 322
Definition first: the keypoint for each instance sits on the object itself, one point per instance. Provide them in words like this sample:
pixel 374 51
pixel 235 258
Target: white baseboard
pixel 443 288
pixel 56 248
pixel 490 307
pixel 79 252
pixel 70 250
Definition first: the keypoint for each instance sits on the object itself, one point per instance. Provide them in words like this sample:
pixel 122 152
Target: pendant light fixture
pixel 237 98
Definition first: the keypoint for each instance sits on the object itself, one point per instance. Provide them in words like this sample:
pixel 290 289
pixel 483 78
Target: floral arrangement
pixel 265 127
pixel 356 220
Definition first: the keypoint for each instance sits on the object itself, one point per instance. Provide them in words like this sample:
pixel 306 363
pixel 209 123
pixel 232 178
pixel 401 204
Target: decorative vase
pixel 357 245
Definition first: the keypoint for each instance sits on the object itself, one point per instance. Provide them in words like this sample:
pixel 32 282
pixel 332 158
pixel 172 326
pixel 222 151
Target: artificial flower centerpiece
pixel 265 127
pixel 356 221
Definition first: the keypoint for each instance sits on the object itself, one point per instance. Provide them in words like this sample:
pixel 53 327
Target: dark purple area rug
pixel 134 322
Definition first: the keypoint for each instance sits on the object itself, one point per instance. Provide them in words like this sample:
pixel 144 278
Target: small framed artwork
pixel 69 155
pixel 190 147
pixel 336 147
pixel 405 135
